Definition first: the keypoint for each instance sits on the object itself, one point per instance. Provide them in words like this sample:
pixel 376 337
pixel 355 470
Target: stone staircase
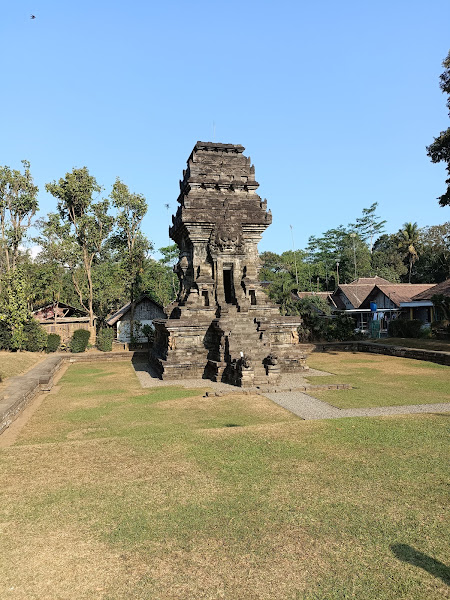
pixel 243 335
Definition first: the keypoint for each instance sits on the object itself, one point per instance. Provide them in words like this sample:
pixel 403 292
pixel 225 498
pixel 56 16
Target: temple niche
pixel 222 326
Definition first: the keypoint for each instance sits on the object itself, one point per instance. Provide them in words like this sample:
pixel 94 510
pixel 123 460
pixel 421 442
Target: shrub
pixel 314 311
pixel 35 336
pixel 149 332
pixel 80 340
pixel 405 329
pixel 5 336
pixel 105 339
pixel 341 328
pixel 53 342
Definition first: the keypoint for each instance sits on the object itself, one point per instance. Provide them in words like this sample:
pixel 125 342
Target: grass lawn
pixel 379 380
pixel 442 345
pixel 114 492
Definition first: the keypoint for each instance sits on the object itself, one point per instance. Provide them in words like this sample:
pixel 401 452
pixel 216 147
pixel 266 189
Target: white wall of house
pixel 124 333
pixel 383 301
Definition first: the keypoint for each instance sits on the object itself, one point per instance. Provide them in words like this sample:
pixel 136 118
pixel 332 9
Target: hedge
pixel 80 340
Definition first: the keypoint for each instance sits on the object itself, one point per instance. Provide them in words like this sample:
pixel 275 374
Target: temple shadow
pixel 142 364
pixel 414 557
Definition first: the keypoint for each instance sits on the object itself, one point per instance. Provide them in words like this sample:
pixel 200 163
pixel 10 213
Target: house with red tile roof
pixel 375 298
pixel 349 297
pixel 385 300
pixel 421 306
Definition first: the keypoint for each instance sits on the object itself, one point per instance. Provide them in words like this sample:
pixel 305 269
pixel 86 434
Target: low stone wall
pixel 442 358
pixel 24 388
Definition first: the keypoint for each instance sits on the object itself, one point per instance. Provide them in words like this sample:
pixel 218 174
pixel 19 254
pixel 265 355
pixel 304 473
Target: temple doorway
pixel 228 285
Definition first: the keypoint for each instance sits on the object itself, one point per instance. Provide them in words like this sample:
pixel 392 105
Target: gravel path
pixel 299 403
pixel 307 407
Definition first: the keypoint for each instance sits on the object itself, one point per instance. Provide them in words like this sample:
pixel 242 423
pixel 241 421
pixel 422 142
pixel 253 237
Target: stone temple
pixel 222 326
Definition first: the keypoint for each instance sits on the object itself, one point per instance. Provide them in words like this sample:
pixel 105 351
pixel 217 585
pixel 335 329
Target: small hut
pixel 63 320
pixel 146 310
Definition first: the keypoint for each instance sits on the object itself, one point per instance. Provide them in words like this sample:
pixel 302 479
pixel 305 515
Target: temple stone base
pixel 244 349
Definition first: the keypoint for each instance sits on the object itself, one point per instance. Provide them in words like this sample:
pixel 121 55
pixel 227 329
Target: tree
pixel 58 253
pixel 14 313
pixel 408 241
pixel 439 150
pixel 434 264
pixel 111 290
pixel 131 209
pixel 283 272
pixel 90 224
pixel 387 259
pixel 170 257
pixel 442 305
pixel 157 281
pixel 344 247
pixel 281 292
pixel 369 225
pixel 18 205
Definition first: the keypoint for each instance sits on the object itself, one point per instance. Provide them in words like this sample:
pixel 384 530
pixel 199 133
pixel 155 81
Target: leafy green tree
pixel 312 310
pixel 348 249
pixel 286 272
pixel 270 262
pixel 18 205
pixel 439 150
pixel 129 239
pixel 342 253
pixel 327 249
pixel 156 281
pixel 90 223
pixel 111 289
pixel 58 252
pixel 387 259
pixel 14 313
pixel 434 244
pixel 442 305
pixel 369 225
pixel 281 292
pixel 169 258
pixel 408 242
pixel 323 258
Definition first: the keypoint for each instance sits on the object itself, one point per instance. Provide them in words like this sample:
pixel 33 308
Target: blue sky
pixel 335 102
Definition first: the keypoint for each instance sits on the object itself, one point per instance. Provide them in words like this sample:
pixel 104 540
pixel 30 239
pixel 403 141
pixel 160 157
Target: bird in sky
pixel 32 17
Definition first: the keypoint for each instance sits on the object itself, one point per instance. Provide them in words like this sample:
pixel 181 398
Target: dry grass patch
pixel 225 412
pixel 143 495
pixel 63 563
pixel 379 380
pixel 16 363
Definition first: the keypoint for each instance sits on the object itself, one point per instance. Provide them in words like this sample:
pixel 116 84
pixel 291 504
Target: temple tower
pixel 222 325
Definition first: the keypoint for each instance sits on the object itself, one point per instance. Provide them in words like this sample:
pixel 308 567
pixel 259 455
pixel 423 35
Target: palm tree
pixel 408 240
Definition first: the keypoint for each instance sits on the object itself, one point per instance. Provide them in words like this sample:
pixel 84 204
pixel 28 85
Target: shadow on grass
pixel 414 557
